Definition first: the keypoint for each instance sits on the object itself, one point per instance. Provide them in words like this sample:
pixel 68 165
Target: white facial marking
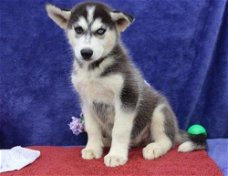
pixel 96 24
pixel 82 22
pixel 90 13
pixel 87 38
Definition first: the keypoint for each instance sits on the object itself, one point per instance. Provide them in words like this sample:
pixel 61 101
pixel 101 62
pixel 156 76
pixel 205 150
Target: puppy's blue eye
pixel 79 30
pixel 101 31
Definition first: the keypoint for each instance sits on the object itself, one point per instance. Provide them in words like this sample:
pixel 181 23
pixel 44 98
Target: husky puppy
pixel 119 107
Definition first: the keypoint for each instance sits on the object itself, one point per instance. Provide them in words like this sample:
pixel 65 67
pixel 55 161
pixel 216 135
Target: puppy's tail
pixel 190 142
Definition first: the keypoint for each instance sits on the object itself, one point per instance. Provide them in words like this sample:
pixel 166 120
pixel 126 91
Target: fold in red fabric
pixel 67 161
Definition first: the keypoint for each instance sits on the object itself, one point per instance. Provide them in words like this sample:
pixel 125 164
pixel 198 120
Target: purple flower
pixel 77 125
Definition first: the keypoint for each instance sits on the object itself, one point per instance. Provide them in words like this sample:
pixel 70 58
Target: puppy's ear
pixel 59 16
pixel 122 20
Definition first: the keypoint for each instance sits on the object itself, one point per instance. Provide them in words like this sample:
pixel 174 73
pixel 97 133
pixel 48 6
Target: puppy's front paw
pixel 111 160
pixel 89 154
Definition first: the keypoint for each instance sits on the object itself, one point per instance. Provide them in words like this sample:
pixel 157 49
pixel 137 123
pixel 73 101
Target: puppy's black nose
pixel 86 54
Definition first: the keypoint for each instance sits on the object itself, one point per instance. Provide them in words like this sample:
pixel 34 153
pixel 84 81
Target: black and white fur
pixel 120 109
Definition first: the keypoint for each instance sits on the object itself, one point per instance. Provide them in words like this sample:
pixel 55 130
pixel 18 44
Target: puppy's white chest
pixel 96 88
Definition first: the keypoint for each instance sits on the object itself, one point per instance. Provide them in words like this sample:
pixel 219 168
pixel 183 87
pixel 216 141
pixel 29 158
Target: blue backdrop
pixel 181 46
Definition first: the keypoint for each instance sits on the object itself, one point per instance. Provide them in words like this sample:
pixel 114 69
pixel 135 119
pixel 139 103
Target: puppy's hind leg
pixel 162 141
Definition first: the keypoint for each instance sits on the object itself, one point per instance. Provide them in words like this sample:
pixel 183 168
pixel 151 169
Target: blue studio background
pixel 181 46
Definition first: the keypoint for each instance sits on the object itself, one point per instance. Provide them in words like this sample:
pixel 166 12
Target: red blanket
pixel 67 161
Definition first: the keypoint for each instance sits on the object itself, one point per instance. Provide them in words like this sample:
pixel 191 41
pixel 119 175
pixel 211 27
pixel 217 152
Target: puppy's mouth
pixel 87 59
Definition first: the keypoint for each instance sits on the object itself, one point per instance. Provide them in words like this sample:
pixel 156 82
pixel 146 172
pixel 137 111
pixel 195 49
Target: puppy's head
pixel 92 28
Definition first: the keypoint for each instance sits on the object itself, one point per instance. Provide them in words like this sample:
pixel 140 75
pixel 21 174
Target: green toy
pixel 197 130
